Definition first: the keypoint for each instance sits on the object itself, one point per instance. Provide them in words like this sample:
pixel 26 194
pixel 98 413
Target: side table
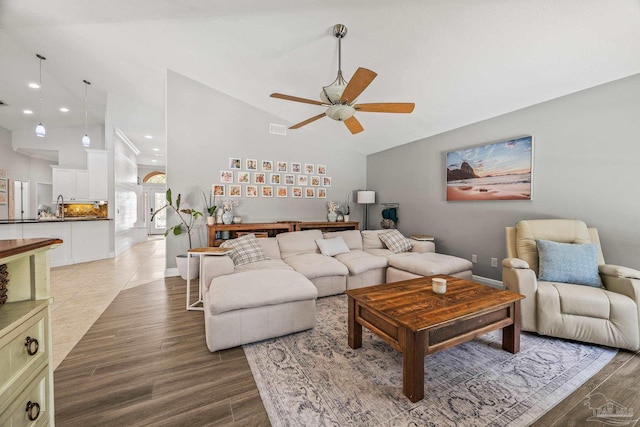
pixel 200 252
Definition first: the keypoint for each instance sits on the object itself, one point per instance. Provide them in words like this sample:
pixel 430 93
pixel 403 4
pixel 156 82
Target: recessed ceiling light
pixel 159 155
pixel 156 149
pixel 64 109
pixel 148 136
pixel 27 111
pixel 154 160
pixel 33 85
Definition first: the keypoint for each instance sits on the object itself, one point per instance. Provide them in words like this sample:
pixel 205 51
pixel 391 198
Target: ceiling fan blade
pixel 358 83
pixel 297 99
pixel 386 107
pixel 306 122
pixel 353 125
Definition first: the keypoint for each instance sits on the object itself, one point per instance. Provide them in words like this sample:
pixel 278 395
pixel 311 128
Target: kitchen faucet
pixel 60 206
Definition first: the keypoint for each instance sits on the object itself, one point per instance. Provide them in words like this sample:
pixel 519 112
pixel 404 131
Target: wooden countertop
pixel 17 246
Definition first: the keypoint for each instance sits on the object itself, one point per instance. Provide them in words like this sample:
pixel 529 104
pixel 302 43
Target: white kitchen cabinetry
pixel 97 165
pixel 73 184
pixel 89 240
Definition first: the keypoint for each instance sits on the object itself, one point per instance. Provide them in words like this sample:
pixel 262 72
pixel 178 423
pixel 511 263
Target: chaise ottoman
pixel 250 306
pixel 411 265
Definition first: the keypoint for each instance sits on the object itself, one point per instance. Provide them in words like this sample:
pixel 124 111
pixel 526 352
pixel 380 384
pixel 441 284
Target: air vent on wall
pixel 277 129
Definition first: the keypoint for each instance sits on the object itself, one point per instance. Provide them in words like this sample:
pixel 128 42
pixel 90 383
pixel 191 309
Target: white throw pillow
pixel 246 249
pixel 395 241
pixel 331 247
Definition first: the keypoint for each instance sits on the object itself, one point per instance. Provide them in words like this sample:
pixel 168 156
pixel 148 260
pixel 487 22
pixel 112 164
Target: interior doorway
pixel 21 200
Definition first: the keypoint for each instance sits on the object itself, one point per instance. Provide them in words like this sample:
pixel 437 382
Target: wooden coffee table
pixel 414 320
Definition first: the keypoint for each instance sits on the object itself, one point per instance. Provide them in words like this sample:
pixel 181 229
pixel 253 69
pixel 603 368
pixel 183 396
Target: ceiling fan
pixel 340 96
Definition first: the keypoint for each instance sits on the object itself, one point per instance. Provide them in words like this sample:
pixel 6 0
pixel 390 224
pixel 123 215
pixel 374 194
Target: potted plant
pixel 187 217
pixel 210 208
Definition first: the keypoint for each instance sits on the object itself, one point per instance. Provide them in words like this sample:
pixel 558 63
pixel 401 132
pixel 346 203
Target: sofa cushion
pixel 298 242
pixel 428 264
pixel 568 263
pixel 270 247
pixel 316 265
pixel 360 261
pixel 576 301
pixel 246 249
pixel 371 239
pixel 267 264
pixel 383 252
pixel 352 238
pixel 249 289
pixel 395 241
pixel 331 247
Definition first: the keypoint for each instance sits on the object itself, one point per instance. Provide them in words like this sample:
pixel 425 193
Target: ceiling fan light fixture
pixel 340 112
pixel 331 94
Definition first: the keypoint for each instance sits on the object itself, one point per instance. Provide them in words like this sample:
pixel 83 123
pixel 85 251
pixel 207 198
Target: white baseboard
pixel 171 272
pixel 490 282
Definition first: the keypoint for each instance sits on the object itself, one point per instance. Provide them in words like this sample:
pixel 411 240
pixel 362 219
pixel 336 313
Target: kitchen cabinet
pixel 97 163
pixel 26 377
pixel 73 184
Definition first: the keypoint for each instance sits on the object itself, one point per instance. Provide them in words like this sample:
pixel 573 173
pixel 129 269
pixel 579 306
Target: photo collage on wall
pixel 266 178
pixel 3 187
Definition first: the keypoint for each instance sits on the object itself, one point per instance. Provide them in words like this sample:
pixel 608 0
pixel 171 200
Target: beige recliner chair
pixel 608 316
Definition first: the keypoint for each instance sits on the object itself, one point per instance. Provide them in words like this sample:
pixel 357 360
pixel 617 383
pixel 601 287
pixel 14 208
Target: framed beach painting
pixel 497 171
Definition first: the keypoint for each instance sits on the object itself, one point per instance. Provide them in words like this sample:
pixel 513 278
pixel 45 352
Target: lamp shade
pixel 86 141
pixel 366 197
pixel 40 130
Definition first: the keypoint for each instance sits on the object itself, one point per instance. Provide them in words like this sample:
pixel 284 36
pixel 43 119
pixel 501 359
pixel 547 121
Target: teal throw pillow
pixel 568 263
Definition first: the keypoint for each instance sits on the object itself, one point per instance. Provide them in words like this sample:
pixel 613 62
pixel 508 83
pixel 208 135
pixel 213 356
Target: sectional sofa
pixel 267 287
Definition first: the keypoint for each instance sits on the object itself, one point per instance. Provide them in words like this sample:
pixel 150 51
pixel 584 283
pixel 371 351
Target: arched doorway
pixel 154 198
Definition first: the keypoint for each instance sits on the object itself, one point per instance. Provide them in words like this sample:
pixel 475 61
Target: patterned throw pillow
pixel 395 241
pixel 246 249
pixel 569 263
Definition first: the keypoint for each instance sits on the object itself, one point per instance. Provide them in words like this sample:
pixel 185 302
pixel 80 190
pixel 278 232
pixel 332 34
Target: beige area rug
pixel 314 378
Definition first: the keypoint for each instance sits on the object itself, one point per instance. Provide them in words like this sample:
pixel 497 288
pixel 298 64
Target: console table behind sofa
pixel 270 229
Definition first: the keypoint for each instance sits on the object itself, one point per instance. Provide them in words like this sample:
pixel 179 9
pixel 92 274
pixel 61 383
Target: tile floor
pixel 81 292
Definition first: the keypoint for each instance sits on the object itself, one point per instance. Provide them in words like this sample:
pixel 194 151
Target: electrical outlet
pixel 494 262
pixel 474 258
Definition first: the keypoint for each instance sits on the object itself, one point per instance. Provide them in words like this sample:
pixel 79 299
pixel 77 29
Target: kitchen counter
pixel 46 221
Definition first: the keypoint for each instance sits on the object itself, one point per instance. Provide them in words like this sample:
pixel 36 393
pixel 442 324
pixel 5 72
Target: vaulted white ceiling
pixel 460 61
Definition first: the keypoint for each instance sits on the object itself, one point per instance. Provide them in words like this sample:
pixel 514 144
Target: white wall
pixel 22 167
pixel 67 141
pixel 586 152
pixel 206 127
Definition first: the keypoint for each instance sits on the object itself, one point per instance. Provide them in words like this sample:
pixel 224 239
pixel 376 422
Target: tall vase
pixel 227 217
pixel 332 216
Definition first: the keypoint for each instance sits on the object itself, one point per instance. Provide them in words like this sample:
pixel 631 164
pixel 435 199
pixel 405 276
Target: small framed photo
pixel 303 179
pixel 235 163
pixel 235 190
pixel 3 174
pixel 226 177
pixel 251 191
pixel 326 181
pixel 310 193
pixel 218 190
pixel 243 177
pixel 282 191
pixel 259 178
pixel 251 164
pixel 267 191
pixel 315 181
pixel 309 168
pixel 296 167
pixel 296 192
pixel 3 184
pixel 3 198
pixel 322 193
pixel 322 170
pixel 282 167
pixel 289 180
pixel 275 178
pixel 267 166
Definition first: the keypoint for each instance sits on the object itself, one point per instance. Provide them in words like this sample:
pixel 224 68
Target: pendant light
pixel 40 130
pixel 86 142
